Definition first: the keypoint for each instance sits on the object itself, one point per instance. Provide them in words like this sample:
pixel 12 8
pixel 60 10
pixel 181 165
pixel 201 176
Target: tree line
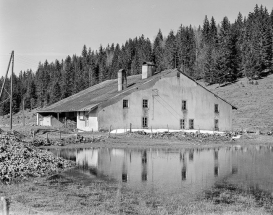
pixel 216 53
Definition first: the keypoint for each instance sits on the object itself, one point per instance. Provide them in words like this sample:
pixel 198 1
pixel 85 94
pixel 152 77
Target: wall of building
pixel 55 119
pixel 165 107
pixel 87 121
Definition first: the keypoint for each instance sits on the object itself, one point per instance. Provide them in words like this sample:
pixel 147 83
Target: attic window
pixel 216 108
pixel 125 103
pixel 184 105
pixel 145 103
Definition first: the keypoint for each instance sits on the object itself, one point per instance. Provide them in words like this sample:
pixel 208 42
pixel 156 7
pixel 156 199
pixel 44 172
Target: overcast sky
pixel 52 29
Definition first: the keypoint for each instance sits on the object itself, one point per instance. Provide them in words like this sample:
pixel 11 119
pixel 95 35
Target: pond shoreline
pixel 127 141
pixel 65 194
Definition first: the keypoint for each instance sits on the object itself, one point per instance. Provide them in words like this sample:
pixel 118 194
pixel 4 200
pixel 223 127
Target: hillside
pixel 254 103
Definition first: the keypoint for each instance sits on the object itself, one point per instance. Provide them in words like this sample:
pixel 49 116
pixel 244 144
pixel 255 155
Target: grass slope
pixel 254 103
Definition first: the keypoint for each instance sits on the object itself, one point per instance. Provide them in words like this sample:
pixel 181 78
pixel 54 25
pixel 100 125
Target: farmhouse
pixel 166 99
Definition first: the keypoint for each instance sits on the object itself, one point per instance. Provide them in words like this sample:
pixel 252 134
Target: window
pixel 145 103
pixel 182 124
pixel 81 116
pixel 191 124
pixel 144 122
pixel 125 103
pixel 184 105
pixel 216 125
pixel 216 108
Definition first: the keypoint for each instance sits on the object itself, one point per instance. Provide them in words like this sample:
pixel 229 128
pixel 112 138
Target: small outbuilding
pixel 166 99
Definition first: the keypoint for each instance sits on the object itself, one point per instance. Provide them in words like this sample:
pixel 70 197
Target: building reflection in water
pixel 216 154
pixel 124 174
pixel 191 155
pixel 185 168
pixel 234 170
pixel 216 162
pixel 184 172
pixel 144 174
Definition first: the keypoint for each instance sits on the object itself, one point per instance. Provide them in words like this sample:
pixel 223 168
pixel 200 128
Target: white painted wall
pixel 89 122
pixel 44 121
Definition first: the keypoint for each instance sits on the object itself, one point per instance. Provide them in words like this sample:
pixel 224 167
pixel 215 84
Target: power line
pixel 169 105
pixel 165 107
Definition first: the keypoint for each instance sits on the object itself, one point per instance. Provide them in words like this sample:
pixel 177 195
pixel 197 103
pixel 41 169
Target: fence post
pixel 6 204
pixel 60 134
pixel 130 127
pixel 109 131
pixel 47 140
pixel 33 136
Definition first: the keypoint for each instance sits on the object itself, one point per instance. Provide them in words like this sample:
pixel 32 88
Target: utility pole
pixel 23 111
pixel 11 90
pixel 6 75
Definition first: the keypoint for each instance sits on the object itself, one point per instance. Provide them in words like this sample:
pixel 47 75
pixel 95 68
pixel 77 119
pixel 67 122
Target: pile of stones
pixel 188 135
pixel 75 139
pixel 20 160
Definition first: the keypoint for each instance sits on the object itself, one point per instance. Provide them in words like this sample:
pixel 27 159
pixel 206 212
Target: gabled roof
pixel 107 92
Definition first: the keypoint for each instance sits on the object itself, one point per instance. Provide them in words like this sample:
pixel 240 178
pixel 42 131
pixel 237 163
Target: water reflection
pixel 169 170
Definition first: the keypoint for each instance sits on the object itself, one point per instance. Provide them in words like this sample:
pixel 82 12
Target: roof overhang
pixel 87 108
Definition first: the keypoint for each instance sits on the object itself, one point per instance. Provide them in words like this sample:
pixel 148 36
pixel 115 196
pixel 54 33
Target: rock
pixel 19 160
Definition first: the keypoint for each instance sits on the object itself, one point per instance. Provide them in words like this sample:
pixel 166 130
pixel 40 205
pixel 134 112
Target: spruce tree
pixel 84 51
pixel 170 52
pixel 206 31
pixel 158 52
pixel 213 38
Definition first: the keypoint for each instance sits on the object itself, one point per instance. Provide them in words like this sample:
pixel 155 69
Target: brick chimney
pixel 148 70
pixel 122 80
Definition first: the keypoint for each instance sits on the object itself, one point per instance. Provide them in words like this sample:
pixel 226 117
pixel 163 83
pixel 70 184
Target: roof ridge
pixel 233 107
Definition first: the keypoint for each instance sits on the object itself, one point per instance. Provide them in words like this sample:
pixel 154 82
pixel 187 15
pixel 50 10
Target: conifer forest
pixel 215 52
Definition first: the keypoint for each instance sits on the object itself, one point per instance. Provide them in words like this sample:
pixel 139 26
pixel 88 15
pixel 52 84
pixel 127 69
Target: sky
pixel 39 30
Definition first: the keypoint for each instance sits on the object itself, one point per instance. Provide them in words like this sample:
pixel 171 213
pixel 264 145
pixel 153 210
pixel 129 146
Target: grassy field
pixel 254 103
pixel 63 194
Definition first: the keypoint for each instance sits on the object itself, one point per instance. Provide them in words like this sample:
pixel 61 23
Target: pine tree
pixel 206 31
pixel 170 52
pixel 209 75
pixel 84 51
pixel 213 38
pixel 158 52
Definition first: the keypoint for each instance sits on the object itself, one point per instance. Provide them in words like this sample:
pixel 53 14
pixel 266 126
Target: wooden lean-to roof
pixel 106 93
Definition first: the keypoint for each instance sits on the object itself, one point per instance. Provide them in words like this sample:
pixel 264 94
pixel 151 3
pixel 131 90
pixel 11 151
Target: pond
pixel 187 171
